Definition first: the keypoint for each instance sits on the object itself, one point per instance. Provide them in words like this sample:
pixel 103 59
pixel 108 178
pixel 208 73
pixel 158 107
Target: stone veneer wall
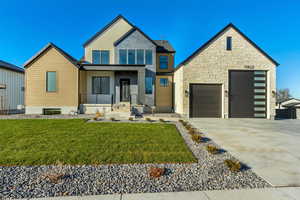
pixel 212 65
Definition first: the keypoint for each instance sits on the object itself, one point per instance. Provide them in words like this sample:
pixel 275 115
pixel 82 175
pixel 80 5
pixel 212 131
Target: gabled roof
pixel 130 32
pixel 164 46
pixel 105 28
pixel 230 25
pixel 48 46
pixel 11 67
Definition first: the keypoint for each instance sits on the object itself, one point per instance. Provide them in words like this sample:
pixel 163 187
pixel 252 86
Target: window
pixel 104 57
pixel 229 43
pixel 148 57
pixel 148 85
pixel 123 56
pixel 96 56
pixel 100 85
pixel 100 57
pixel 163 62
pixel 131 56
pixel 164 82
pixel 140 57
pixel 51 81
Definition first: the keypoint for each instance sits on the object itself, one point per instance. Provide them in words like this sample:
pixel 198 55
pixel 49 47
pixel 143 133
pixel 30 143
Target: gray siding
pixel 136 40
pixel 13 95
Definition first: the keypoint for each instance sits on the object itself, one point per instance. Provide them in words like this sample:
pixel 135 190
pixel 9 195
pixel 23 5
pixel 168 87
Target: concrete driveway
pixel 270 148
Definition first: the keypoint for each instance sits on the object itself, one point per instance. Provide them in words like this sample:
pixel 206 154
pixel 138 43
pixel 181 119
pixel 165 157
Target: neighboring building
pixel 121 66
pixel 229 76
pixel 11 88
pixel 288 109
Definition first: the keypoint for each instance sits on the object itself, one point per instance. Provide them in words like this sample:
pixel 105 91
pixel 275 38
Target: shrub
pixel 184 123
pixel 180 121
pixel 189 127
pixel 54 177
pixel 162 120
pixel 212 149
pixel 193 131
pixel 130 118
pixel 156 172
pixel 98 114
pixel 196 138
pixel 148 119
pixel 112 119
pixel 95 118
pixel 233 166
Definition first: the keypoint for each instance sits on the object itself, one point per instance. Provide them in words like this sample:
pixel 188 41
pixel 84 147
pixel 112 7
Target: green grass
pixel 45 142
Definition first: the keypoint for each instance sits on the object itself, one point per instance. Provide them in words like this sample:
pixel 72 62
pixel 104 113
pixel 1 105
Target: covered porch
pixel 103 87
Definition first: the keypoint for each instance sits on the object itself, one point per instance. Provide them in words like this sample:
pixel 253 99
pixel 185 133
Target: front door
pixel 125 89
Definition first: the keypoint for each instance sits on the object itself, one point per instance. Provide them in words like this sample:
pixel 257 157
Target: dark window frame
pixel 229 43
pixel 105 91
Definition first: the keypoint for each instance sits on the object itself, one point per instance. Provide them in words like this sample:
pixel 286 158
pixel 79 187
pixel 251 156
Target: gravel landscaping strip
pixel 209 173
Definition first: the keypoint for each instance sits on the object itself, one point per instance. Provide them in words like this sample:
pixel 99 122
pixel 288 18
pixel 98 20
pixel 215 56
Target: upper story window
pixel 131 56
pixel 135 56
pixel 163 82
pixel 149 57
pixel 163 62
pixel 229 43
pixel 123 56
pixel 140 58
pixel 51 81
pixel 100 57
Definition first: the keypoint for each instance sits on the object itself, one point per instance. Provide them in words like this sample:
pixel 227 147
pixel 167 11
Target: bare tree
pixel 283 95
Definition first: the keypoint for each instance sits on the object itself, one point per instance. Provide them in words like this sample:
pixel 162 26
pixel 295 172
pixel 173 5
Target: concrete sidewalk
pixel 288 193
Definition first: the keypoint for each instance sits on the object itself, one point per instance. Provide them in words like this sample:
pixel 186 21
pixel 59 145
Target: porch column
pixel 141 86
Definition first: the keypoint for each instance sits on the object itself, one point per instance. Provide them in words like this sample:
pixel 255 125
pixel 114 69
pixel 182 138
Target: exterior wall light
pixel 186 92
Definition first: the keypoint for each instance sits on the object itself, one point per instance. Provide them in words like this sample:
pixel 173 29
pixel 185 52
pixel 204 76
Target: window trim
pixel 56 82
pixel 93 77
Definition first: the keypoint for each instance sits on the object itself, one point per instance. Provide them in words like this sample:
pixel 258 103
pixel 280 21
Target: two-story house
pixel 121 67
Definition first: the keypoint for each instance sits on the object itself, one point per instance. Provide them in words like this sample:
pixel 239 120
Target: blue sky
pixel 27 26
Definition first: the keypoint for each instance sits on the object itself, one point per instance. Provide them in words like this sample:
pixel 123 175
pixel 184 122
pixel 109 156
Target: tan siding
pixel 67 81
pixel 171 62
pixel 82 85
pixel 106 40
pixel 178 91
pixel 213 63
pixel 164 94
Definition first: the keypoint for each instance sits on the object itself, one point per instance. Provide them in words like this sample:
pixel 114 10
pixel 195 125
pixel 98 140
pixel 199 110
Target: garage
pixel 205 100
pixel 247 94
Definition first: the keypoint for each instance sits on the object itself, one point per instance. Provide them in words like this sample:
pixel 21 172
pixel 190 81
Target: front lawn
pixel 45 142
